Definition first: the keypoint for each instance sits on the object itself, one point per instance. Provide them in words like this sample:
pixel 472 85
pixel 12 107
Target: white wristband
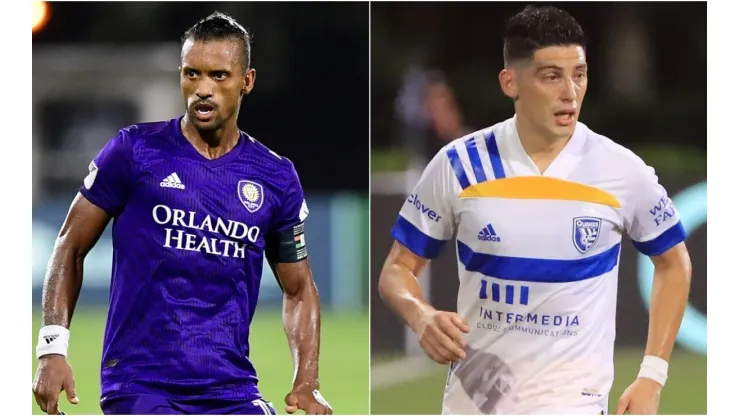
pixel 654 368
pixel 53 339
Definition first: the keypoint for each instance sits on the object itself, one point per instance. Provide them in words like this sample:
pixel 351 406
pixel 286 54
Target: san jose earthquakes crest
pixel 586 231
pixel 251 195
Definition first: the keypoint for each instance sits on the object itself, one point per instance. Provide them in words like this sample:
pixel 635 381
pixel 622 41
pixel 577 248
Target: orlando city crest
pixel 586 231
pixel 251 195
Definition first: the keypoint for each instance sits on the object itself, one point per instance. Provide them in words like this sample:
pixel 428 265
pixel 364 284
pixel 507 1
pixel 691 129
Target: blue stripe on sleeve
pixel 415 240
pixel 662 243
pixel 538 270
pixel 457 167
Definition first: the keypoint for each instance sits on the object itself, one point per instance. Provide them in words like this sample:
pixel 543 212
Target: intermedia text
pixel 528 318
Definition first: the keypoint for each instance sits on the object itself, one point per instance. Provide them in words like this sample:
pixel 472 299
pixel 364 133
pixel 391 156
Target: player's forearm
pixel 302 322
pixel 401 291
pixel 670 292
pixel 62 285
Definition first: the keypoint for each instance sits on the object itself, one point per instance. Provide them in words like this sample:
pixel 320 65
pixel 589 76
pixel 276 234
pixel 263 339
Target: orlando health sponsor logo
pixel 414 200
pixel 180 239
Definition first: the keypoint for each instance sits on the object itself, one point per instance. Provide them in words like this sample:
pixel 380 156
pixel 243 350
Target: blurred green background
pixel 684 393
pixel 343 368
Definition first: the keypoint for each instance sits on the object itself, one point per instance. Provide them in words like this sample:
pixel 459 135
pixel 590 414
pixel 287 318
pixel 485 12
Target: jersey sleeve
pixel 654 224
pixel 427 219
pixel 110 178
pixel 293 209
pixel 285 242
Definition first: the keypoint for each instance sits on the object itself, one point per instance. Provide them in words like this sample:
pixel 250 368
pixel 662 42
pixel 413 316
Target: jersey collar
pixel 565 162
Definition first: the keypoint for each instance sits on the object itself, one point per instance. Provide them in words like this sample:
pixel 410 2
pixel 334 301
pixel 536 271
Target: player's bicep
pixel 402 256
pixel 675 258
pixel 654 224
pixel 83 226
pixel 293 277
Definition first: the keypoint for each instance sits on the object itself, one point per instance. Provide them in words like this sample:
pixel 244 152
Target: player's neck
pixel 211 144
pixel 541 147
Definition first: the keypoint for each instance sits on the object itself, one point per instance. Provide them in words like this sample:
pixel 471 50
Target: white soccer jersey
pixel 537 261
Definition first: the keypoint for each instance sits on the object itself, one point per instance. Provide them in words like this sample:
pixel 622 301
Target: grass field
pixel 685 392
pixel 344 360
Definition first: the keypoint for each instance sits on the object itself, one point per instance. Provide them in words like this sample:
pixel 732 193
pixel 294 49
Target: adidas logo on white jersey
pixel 172 181
pixel 488 234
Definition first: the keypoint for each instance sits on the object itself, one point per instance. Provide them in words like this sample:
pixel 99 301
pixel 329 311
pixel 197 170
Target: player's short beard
pixel 214 125
pixel 220 118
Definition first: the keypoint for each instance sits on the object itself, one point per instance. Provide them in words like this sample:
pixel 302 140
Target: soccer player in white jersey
pixel 538 205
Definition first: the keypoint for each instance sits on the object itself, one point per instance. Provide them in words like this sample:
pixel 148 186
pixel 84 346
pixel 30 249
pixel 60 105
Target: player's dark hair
pixel 539 27
pixel 219 26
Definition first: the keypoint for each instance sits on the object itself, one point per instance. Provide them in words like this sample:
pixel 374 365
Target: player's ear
pixel 249 78
pixel 508 82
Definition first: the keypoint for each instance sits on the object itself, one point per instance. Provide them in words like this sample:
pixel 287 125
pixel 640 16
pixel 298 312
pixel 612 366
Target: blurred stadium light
pixel 39 15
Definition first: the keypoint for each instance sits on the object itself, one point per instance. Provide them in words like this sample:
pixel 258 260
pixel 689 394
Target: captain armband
pixel 287 246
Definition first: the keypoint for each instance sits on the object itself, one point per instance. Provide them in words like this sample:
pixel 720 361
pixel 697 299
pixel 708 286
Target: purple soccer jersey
pixel 188 243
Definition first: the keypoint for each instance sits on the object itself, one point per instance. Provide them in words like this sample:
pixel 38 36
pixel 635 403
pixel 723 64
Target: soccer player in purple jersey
pixel 195 204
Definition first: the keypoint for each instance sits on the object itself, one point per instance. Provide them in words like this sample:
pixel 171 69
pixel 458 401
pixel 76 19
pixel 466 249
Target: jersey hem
pixel 97 202
pixel 230 393
pixel 663 242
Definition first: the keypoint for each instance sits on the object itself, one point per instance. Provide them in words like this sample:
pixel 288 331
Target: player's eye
pixel 191 73
pixel 551 77
pixel 220 76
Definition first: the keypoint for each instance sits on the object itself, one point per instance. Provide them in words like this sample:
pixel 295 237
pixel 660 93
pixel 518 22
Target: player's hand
pixel 53 376
pixel 441 336
pixel 642 397
pixel 308 399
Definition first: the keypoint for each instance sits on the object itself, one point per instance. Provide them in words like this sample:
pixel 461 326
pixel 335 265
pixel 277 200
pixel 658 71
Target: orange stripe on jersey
pixel 540 187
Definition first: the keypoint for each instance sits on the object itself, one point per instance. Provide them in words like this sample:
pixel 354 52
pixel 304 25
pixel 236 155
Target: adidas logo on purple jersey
pixel 172 181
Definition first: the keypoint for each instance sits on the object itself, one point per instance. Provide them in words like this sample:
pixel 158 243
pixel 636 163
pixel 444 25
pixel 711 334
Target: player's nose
pixel 204 94
pixel 569 91
pixel 204 91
